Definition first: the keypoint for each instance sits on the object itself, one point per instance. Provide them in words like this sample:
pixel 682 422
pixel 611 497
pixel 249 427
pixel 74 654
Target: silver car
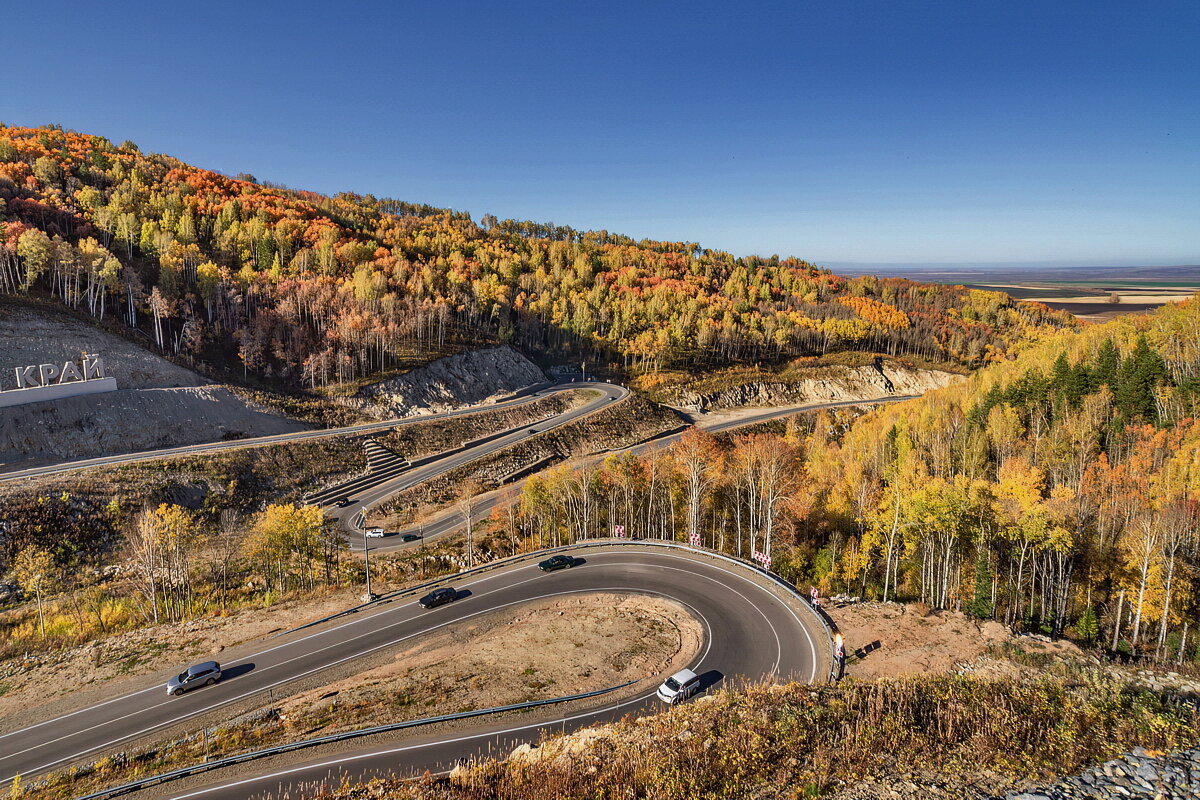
pixel 204 674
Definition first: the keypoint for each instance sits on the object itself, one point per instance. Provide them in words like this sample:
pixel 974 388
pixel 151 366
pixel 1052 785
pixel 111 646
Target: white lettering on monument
pixel 89 368
pixel 25 377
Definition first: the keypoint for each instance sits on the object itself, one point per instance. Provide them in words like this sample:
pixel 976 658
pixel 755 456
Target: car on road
pixel 410 537
pixel 438 597
pixel 679 687
pixel 556 562
pixel 374 533
pixel 531 432
pixel 342 502
pixel 204 674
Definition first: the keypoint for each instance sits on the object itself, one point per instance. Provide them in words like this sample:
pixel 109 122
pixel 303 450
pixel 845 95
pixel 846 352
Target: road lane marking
pixel 361 654
pixel 341 628
pixel 343 759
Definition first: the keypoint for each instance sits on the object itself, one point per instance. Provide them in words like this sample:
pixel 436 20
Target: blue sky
pixel 958 131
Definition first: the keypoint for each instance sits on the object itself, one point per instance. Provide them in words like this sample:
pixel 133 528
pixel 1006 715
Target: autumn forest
pixel 308 290
pixel 1056 489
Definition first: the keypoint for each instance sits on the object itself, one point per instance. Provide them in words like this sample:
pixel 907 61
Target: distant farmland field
pixel 1097 301
pixel 1090 293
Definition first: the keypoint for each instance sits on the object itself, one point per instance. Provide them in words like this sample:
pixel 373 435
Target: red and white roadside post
pixel 618 531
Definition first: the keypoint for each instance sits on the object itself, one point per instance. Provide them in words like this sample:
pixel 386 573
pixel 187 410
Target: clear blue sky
pixel 838 131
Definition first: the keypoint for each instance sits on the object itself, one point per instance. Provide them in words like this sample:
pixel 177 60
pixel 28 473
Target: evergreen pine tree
pixel 980 606
pixel 1088 626
pixel 1060 372
pixel 1079 384
pixel 1108 361
pixel 1137 379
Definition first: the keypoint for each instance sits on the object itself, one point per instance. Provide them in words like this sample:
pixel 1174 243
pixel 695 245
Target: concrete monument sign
pixel 39 382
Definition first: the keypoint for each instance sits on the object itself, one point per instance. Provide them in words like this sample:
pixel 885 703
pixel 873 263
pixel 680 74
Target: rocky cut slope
pixel 826 384
pixel 445 384
pixel 157 403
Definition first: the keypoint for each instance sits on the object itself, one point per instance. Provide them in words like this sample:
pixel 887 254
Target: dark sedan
pixel 409 537
pixel 438 597
pixel 555 563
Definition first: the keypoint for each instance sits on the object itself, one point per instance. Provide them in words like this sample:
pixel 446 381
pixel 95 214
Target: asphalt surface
pixel 447 523
pixel 750 633
pixel 369 493
pixel 520 398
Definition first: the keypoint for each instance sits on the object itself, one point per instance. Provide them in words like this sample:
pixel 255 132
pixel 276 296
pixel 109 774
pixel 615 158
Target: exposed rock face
pixel 1138 774
pixel 465 379
pixel 830 385
pixel 129 420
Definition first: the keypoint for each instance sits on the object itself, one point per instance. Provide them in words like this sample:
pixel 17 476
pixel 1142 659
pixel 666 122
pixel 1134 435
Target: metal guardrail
pixel 779 582
pixel 787 586
pixel 184 772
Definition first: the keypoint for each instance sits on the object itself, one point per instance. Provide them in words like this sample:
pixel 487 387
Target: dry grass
pixel 793 741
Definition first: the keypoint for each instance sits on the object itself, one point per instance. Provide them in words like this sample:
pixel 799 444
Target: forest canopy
pixel 1058 492
pixel 311 290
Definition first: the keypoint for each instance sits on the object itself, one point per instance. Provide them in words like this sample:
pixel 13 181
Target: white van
pixel 679 687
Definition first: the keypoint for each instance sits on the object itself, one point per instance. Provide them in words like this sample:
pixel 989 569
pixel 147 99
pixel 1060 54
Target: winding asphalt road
pixel 447 523
pixel 369 493
pixel 521 398
pixel 749 632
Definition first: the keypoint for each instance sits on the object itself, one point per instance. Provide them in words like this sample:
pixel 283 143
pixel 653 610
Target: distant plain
pixel 1094 294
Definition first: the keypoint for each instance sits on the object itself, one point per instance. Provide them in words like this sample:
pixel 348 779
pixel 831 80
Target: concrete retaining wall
pixel 37 394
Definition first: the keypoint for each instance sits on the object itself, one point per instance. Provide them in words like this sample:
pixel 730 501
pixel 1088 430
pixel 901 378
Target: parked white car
pixel 679 687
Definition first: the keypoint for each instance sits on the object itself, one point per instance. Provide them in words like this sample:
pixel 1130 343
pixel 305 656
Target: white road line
pixel 152 728
pixel 244 695
pixel 343 643
pixel 489 734
pixel 346 758
pixel 382 609
pixel 307 654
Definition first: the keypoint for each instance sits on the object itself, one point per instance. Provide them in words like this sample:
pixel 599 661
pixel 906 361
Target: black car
pixel 342 502
pixel 556 562
pixel 438 597
pixel 409 537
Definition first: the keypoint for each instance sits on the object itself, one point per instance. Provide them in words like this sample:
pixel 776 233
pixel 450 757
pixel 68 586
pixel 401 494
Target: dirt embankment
pixel 893 640
pixel 448 383
pixel 157 404
pixel 545 649
pixel 420 439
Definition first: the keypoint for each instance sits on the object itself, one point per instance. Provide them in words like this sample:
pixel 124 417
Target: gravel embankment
pixel 1138 774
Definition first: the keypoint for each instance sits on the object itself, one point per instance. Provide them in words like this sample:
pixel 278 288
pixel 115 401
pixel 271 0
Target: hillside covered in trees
pixel 1058 492
pixel 258 280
